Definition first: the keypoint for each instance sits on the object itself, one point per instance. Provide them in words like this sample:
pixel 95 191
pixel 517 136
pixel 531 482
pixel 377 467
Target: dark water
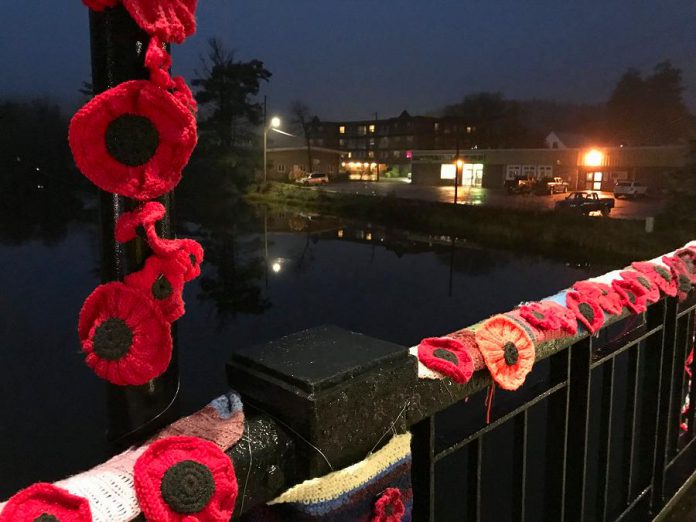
pixel 267 275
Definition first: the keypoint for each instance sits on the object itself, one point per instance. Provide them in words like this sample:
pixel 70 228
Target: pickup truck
pixel 552 186
pixel 586 202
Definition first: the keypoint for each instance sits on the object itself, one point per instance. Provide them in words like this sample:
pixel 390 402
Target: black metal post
pixel 118 54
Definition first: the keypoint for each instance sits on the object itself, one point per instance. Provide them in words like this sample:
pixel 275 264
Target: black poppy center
pixel 446 355
pixel 112 339
pixel 132 139
pixel 586 311
pixel 45 517
pixel 161 288
pixel 538 315
pixel 684 283
pixel 631 296
pixel 187 487
pixel 644 282
pixel 389 510
pixel 192 258
pixel 664 273
pixel 511 354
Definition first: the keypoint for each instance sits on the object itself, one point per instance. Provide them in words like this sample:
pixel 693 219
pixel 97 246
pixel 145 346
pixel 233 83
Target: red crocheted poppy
pixel 162 280
pixel 168 20
pixel 187 252
pixel 604 295
pixel 125 337
pixel 549 316
pixel 633 295
pixel 146 216
pixel 45 503
pixel 508 349
pixel 643 285
pixel 99 5
pixel 447 356
pixel 659 275
pixel 185 479
pixel 389 506
pixel 586 310
pixel 159 62
pixel 133 140
pixel 681 274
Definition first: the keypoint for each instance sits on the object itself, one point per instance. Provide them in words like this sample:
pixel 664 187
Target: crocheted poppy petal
pixel 537 315
pixel 185 479
pixel 507 349
pixel 169 20
pixel 99 5
pixel 124 336
pixel 389 507
pixel 642 284
pixel 187 252
pixel 680 273
pixel 133 140
pixel 633 296
pixel 162 280
pixel 659 275
pixel 688 256
pixel 46 502
pixel 603 294
pixel 447 356
pixel 146 216
pixel 586 310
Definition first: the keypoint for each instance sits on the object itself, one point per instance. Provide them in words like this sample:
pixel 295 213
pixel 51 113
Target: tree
pixel 303 122
pixel 648 111
pixel 497 120
pixel 225 91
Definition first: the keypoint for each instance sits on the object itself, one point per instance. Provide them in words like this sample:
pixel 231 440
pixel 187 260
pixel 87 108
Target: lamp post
pixel 458 164
pixel 274 124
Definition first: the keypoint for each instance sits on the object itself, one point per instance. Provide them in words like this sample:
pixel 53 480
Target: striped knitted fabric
pixel 348 495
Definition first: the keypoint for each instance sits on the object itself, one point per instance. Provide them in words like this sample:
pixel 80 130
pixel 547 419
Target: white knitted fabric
pixel 109 488
pixel 337 483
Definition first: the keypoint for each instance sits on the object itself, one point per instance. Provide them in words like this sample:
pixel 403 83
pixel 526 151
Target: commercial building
pixel 592 168
pixel 288 159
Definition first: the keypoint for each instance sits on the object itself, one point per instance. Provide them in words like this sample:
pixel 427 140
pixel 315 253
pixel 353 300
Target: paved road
pixel 625 209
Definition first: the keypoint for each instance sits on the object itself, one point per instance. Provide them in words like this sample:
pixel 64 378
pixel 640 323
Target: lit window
pixel 362 130
pixel 372 129
pixel 342 129
pixel 447 171
pixel 436 127
pixel 469 130
pixel 350 154
pixel 598 176
pixel 371 154
pixel 281 167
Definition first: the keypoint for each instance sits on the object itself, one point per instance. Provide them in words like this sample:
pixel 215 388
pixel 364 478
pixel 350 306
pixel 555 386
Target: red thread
pixel 46 499
pixel 161 456
pixel 489 403
pixel 173 122
pixel 150 349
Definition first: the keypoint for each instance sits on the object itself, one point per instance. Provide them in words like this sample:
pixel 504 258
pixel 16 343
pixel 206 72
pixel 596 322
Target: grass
pixel 564 236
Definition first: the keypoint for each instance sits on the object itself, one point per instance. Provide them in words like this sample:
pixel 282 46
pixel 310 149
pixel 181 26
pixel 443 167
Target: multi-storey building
pixel 369 146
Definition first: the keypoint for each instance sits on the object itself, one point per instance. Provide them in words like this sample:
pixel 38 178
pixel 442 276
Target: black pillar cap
pixel 338 390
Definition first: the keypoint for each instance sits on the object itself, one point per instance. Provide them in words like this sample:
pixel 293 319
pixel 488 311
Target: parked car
pixel 314 178
pixel 519 185
pixel 552 186
pixel 586 202
pixel 630 189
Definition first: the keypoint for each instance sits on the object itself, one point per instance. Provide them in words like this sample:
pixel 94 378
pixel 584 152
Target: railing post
pixel 577 430
pixel 423 470
pixel 663 404
pixel 118 52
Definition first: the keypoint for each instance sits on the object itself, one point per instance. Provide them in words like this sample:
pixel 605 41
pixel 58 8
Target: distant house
pixel 566 140
pixel 288 159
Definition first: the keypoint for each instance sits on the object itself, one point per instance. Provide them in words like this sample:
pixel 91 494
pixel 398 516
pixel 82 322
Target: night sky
pixel 350 58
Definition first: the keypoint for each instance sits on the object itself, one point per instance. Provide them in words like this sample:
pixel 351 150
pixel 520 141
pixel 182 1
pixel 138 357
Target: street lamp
pixel 274 124
pixel 457 168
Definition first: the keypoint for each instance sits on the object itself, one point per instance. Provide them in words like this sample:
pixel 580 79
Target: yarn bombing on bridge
pixel 506 343
pixel 134 140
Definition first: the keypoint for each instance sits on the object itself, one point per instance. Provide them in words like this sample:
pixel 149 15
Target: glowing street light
pixel 593 158
pixel 274 124
pixel 276 267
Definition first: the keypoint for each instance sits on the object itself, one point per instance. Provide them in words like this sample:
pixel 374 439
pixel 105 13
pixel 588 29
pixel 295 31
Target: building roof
pixel 281 142
pixel 568 140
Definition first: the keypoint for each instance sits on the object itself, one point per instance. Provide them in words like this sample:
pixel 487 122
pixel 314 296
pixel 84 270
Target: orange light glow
pixel 593 158
pixel 460 163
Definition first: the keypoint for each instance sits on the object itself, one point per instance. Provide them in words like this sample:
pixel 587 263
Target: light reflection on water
pixel 266 275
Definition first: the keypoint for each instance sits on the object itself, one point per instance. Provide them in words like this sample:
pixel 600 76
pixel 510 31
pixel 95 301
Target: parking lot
pixel 624 209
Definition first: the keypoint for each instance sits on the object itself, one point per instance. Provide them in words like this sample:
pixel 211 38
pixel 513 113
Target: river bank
pixel 544 232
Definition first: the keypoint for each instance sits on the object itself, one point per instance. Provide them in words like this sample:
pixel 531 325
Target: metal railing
pixel 595 433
